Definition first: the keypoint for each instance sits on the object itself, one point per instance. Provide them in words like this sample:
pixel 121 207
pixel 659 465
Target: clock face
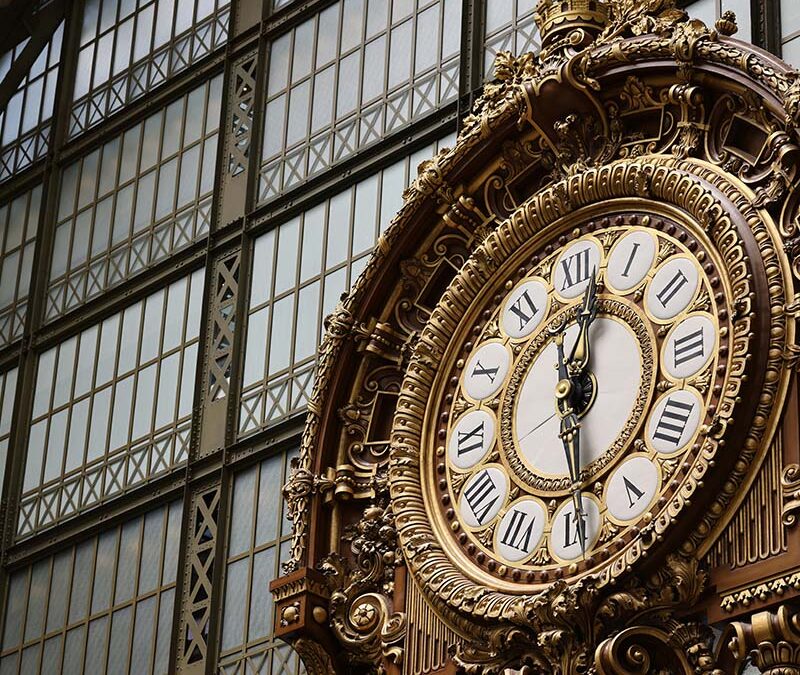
pixel 579 398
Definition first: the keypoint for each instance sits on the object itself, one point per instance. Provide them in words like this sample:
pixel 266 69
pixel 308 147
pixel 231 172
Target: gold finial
pixel 557 19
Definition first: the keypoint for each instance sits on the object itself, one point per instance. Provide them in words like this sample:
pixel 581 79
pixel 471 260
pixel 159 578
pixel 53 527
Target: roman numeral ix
pixel 470 440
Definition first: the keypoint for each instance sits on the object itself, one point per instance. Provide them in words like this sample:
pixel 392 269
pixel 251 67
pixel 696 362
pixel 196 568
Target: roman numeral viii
pixel 481 496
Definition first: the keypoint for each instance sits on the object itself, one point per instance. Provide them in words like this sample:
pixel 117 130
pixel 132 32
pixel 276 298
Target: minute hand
pixel 570 437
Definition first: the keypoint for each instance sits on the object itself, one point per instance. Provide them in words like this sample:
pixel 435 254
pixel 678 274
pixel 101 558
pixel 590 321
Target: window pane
pixel 143 52
pixel 19 220
pixel 116 410
pixel 342 72
pixel 156 208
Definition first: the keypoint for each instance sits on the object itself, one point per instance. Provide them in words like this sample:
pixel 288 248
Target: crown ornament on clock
pixel 579 21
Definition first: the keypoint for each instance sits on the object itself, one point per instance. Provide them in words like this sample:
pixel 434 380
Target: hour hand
pixel 579 357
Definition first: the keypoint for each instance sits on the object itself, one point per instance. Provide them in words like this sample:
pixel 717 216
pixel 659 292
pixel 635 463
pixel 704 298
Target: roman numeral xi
pixel 524 309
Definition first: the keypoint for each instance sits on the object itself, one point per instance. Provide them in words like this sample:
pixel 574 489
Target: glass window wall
pixel 257 545
pixel 300 271
pixel 113 406
pixel 349 77
pixel 127 49
pixel 136 200
pixel 19 222
pixel 104 605
pixel 25 121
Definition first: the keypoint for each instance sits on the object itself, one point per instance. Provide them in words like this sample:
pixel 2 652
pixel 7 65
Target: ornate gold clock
pixel 568 405
pixel 595 373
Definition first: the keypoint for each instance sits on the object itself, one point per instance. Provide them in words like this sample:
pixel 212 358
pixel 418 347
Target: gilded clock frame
pixel 680 193
pixel 605 235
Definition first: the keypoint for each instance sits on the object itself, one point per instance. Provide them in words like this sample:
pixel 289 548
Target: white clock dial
pixel 617 367
pixel 674 420
pixel 672 289
pixel 471 439
pixel 520 530
pixel 565 540
pixel 632 488
pixel 630 260
pixel 524 309
pixel 689 346
pixel 575 266
pixel 486 370
pixel 483 496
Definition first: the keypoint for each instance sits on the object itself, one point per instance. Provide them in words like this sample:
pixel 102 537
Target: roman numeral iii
pixel 689 347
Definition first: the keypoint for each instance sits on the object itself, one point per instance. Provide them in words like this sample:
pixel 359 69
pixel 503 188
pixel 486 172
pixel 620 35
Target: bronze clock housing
pixel 553 421
pixel 689 219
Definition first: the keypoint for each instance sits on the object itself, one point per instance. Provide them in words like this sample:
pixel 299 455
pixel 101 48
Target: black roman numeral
pixel 481 496
pixel 479 369
pixel 524 315
pixel 671 288
pixel 673 421
pixel 689 347
pixel 575 274
pixel 570 538
pixel 631 489
pixel 517 535
pixel 470 440
pixel 627 269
